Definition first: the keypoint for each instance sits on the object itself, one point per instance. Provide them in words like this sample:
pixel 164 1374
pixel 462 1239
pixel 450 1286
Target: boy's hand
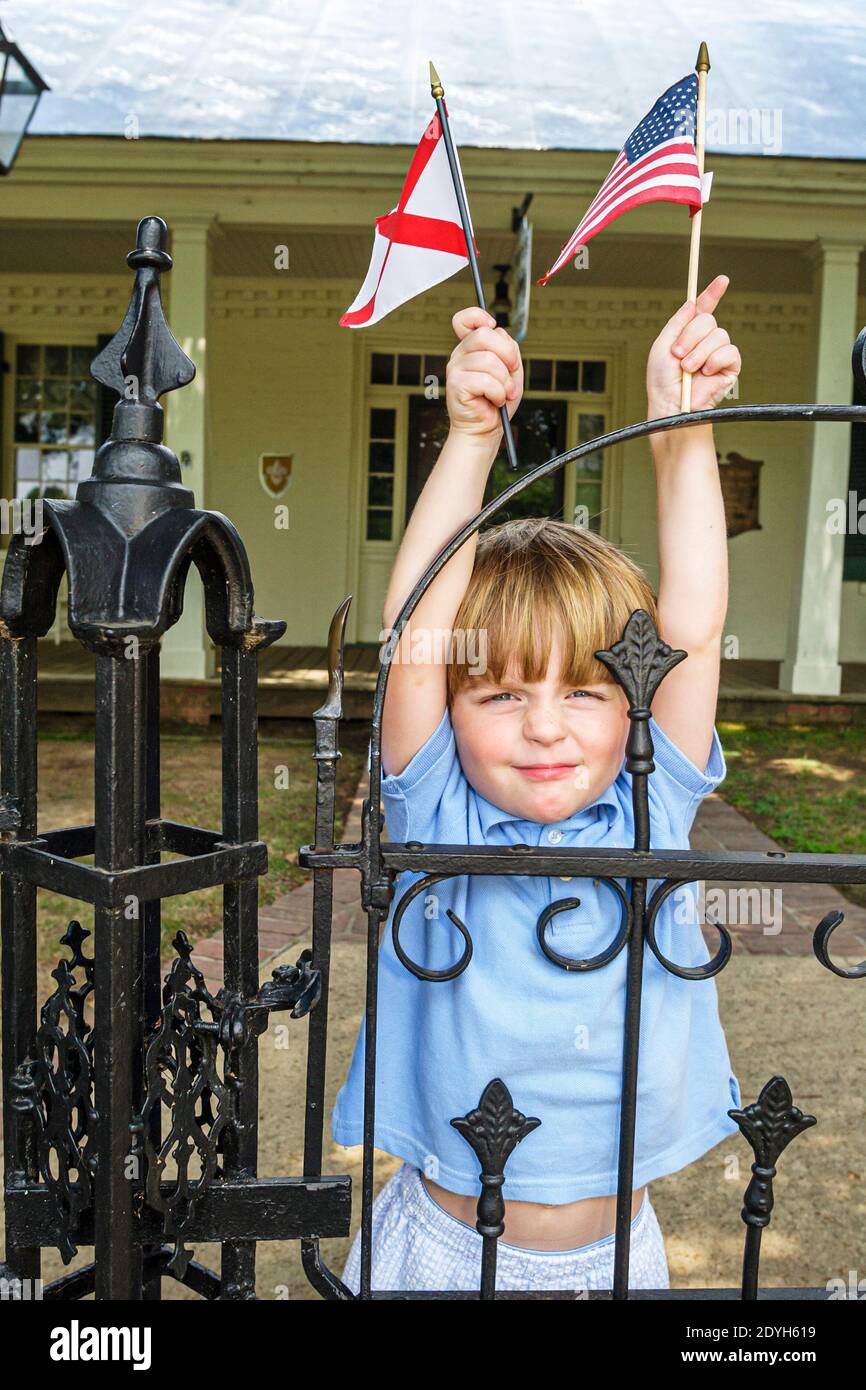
pixel 692 340
pixel 485 371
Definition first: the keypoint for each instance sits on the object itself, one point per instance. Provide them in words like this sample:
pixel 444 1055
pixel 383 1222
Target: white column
pixel 187 651
pixel 811 665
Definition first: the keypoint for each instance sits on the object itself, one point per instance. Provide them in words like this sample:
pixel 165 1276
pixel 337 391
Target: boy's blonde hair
pixel 533 577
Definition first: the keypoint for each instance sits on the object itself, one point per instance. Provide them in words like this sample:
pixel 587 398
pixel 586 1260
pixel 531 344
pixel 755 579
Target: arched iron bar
pixel 844 414
pixel 603 957
pixel 823 932
pixel 418 970
pixel 685 972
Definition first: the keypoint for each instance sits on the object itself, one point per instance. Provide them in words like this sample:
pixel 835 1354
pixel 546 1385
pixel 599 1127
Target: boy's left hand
pixel 692 340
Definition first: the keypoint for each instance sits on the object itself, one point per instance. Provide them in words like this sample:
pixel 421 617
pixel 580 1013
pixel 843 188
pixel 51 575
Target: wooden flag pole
pixel 437 92
pixel 702 67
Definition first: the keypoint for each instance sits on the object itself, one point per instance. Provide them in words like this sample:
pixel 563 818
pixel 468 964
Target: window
pixel 589 470
pixel 54 422
pixel 380 474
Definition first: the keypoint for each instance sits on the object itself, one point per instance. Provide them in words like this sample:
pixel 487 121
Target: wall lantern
pixel 20 90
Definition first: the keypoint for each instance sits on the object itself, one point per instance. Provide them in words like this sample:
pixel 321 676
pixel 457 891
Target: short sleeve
pixel 678 781
pixel 429 786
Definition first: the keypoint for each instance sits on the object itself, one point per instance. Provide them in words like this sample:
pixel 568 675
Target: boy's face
pixel 540 750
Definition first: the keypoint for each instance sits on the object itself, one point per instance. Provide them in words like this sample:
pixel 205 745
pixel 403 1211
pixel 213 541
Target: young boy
pixel 527 746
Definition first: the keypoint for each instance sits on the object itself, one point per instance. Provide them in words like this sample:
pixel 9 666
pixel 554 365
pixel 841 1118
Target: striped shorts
pixel 417 1245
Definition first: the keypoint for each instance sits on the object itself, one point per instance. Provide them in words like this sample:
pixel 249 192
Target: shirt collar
pixel 490 815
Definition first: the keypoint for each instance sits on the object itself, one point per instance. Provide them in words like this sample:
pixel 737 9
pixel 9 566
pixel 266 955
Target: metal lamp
pixel 20 90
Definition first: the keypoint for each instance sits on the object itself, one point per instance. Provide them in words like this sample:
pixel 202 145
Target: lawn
pixel 803 785
pixel 191 792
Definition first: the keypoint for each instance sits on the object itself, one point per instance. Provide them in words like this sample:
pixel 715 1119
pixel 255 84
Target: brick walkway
pixel 718 826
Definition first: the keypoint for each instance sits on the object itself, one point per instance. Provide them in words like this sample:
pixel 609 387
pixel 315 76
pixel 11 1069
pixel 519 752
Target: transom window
pixel 540 373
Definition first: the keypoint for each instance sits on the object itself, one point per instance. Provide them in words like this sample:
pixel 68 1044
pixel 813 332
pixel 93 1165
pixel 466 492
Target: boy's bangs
pixel 537 580
pixel 520 640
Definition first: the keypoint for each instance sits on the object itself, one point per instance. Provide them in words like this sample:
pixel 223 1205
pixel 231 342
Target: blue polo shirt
pixel 554 1036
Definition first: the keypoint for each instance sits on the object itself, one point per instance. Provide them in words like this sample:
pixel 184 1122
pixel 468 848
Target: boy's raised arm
pixel 484 372
pixel 692 533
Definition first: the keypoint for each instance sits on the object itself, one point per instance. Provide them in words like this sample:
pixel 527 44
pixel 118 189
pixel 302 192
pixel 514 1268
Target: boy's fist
pixel 692 341
pixel 484 372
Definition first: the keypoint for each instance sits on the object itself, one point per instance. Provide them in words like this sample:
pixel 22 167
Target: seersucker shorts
pixel 417 1245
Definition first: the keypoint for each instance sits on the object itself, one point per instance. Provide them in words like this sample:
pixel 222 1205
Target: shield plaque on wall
pixel 275 473
pixel 739 478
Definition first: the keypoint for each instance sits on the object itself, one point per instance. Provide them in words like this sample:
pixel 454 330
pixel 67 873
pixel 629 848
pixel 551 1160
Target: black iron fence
pixel 130 1111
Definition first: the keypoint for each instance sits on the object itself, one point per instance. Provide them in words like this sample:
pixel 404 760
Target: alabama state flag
pixel 418 243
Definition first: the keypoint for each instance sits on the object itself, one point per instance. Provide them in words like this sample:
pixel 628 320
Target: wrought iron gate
pixel 95 1112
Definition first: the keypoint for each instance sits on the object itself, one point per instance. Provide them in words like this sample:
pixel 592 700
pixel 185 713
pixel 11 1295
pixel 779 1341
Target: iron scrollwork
pixel 823 932
pixel 52 1093
pixel 604 957
pixel 685 972
pixel 419 971
pixel 182 1074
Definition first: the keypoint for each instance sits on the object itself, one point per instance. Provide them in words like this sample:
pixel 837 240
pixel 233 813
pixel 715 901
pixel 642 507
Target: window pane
pixel 82 397
pixel 593 376
pixel 382 424
pixel 588 505
pixel 81 464
pixel 408 369
pixel 590 465
pixel 589 427
pixel 81 429
pixel 378 526
pixel 26 427
pixel 435 366
pixel 540 374
pixel 27 392
pixel 381 458
pixel 380 491
pixel 80 359
pixel 52 429
pixel 55 465
pixel 27 359
pixel 27 463
pixel 56 359
pixel 566 376
pixel 382 369
pixel 55 395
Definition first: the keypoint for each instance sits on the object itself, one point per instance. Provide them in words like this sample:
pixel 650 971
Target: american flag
pixel 657 162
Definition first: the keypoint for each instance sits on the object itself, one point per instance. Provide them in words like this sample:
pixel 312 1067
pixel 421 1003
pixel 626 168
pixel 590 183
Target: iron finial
pixel 143 359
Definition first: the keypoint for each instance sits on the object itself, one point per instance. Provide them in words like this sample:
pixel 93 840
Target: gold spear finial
pixel 436 88
pixel 703 63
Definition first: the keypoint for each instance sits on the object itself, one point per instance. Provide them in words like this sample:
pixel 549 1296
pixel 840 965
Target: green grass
pixel 803 785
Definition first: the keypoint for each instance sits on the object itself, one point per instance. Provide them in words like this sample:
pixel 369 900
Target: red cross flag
pixel 418 243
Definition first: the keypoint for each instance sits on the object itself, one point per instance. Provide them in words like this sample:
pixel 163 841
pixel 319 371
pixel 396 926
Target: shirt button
pixel 565 878
pixel 554 836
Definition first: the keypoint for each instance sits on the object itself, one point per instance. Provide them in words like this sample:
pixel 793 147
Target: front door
pixel 539 434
